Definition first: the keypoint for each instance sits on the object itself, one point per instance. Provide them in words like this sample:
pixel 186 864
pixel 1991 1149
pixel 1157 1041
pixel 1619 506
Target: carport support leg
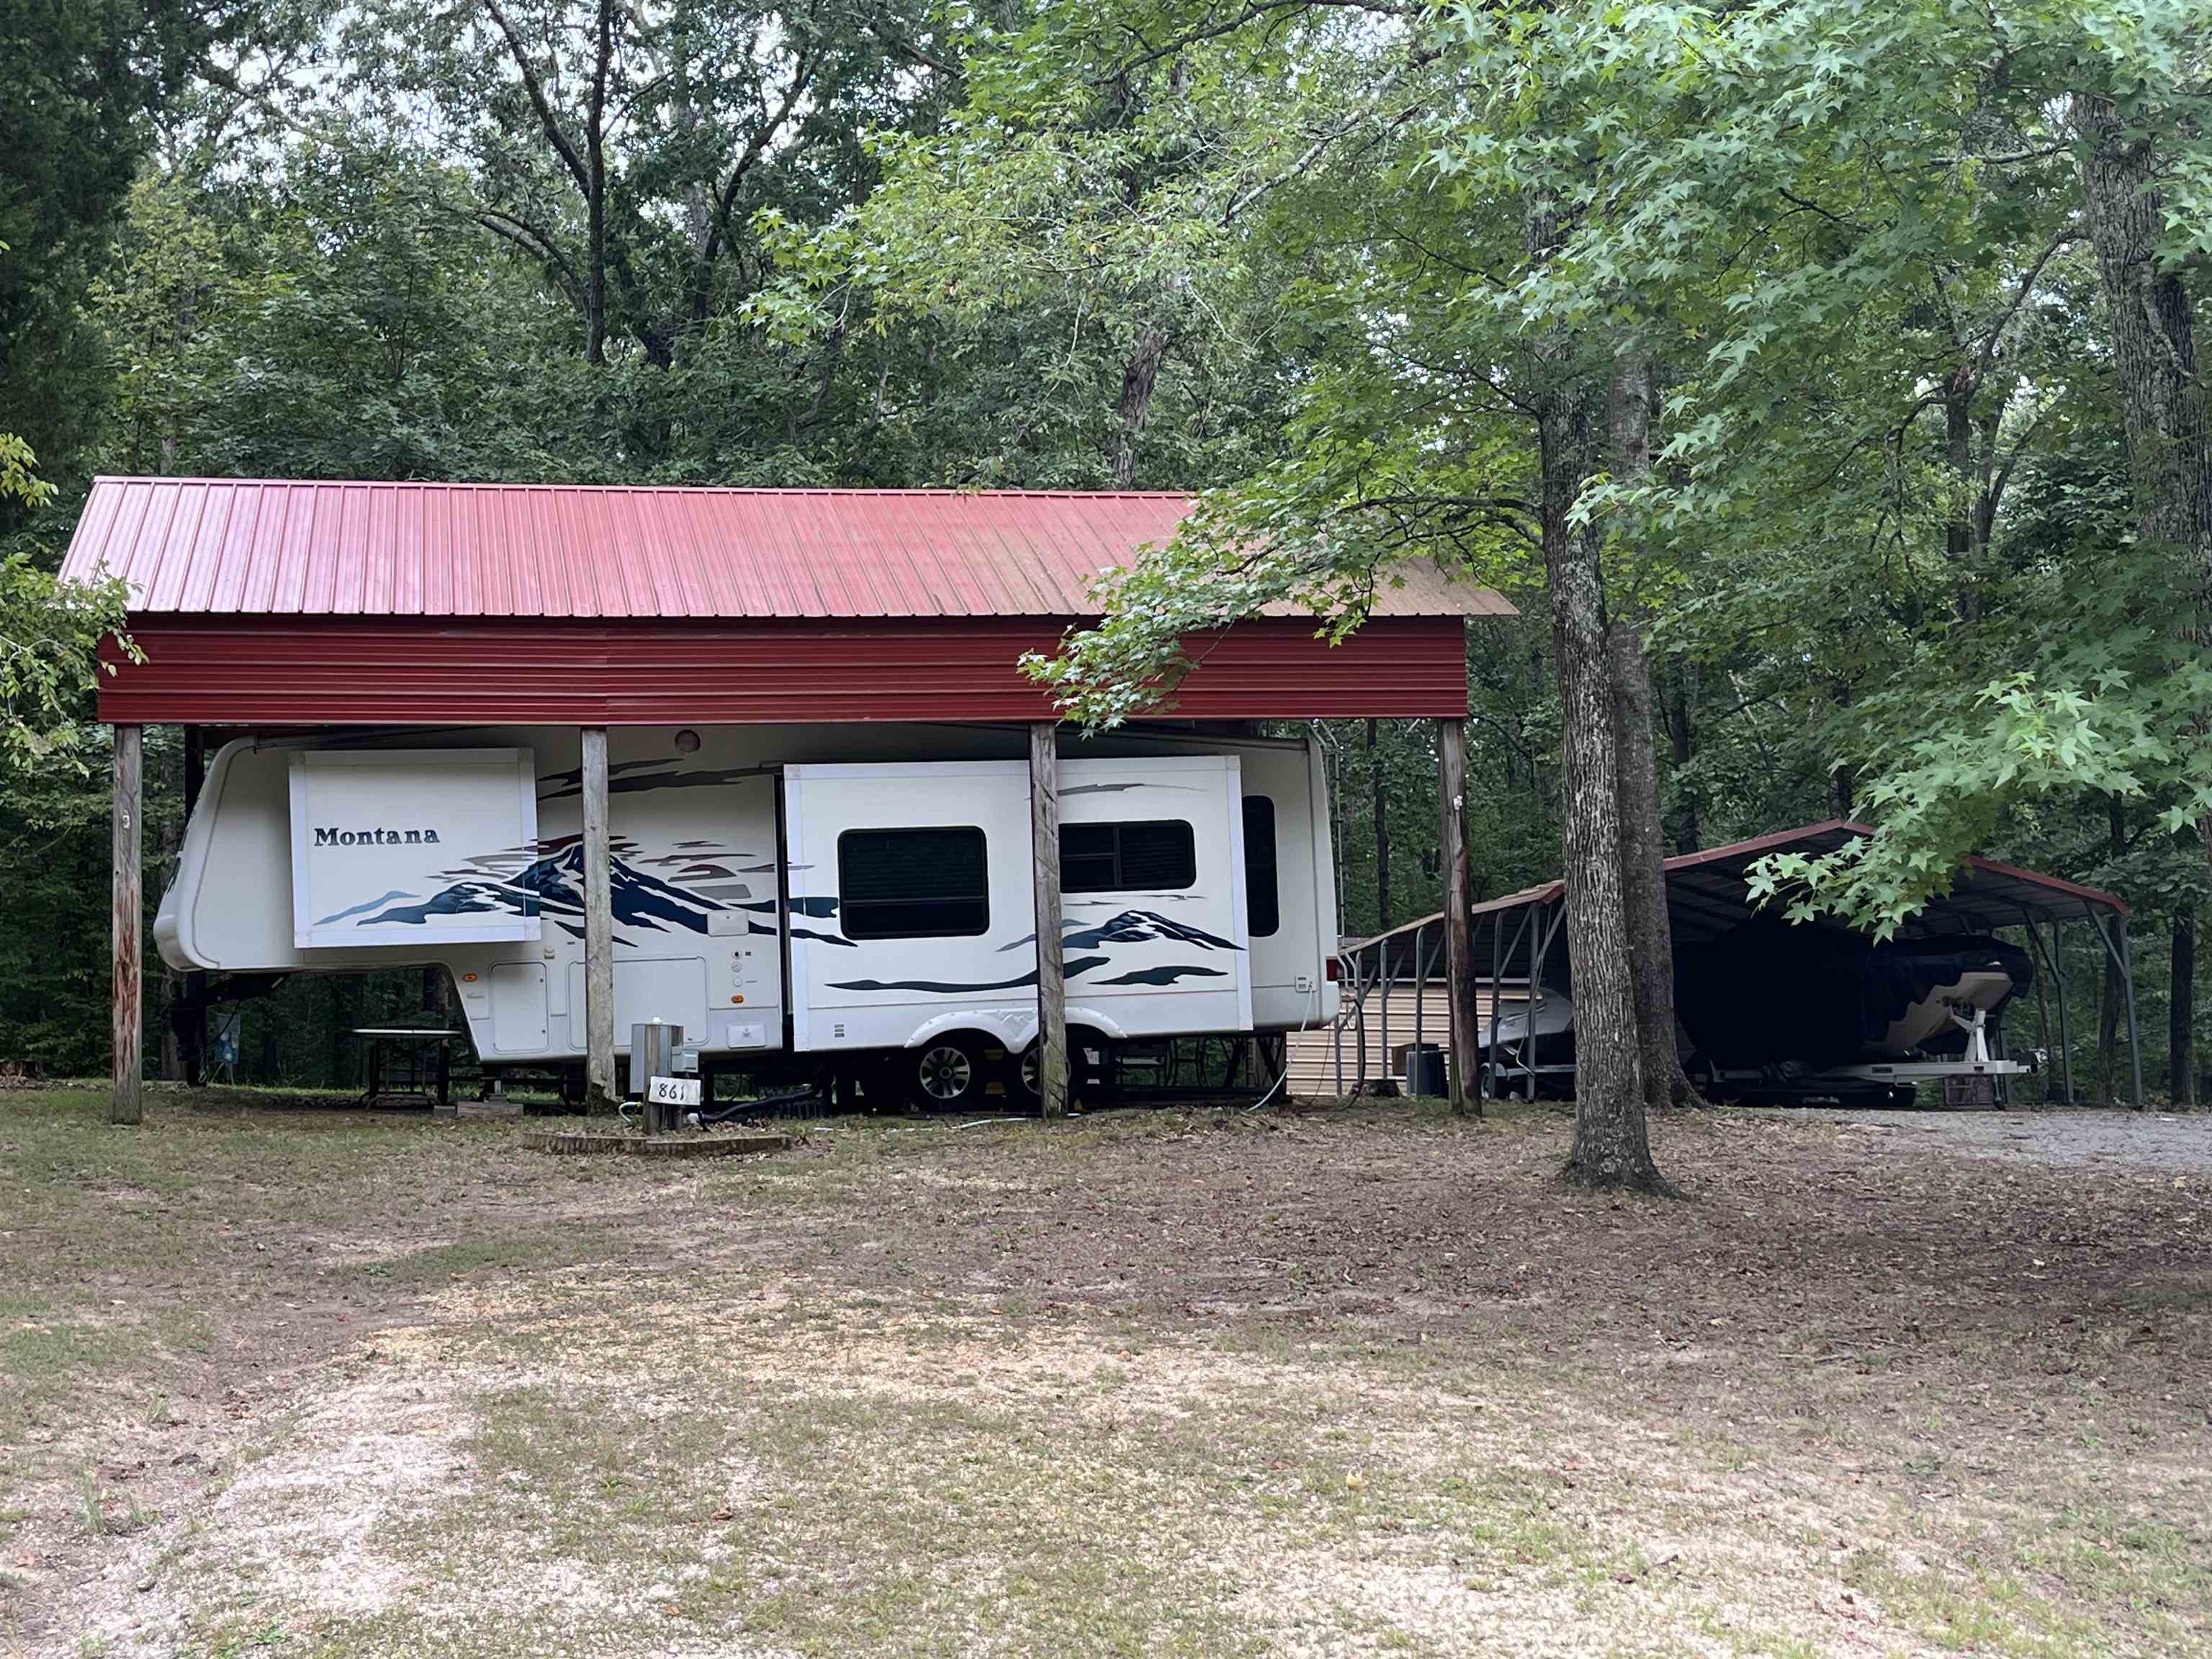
pixel 598 928
pixel 1052 978
pixel 2135 1035
pixel 127 1006
pixel 2065 1030
pixel 1459 938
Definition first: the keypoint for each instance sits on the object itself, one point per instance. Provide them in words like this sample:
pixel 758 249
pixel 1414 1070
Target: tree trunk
pixel 1612 1148
pixel 2154 345
pixel 1642 834
pixel 2181 1013
pixel 172 982
pixel 194 1034
pixel 1374 779
pixel 1959 526
pixel 595 276
pixel 1137 378
pixel 1644 870
pixel 2152 334
pixel 1681 737
pixel 586 166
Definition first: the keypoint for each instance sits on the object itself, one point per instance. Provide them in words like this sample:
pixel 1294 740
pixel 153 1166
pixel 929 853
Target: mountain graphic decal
pixel 1129 927
pixel 553 885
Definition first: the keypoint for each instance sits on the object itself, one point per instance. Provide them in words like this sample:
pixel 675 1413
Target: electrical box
pixel 652 1049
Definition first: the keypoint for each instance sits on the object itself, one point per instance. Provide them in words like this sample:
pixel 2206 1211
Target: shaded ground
pixel 1346 1383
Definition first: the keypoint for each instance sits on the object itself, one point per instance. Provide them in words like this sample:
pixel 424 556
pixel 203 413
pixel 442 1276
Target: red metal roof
pixel 235 547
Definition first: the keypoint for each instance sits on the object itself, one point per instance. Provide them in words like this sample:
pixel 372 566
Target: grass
pixel 1363 1382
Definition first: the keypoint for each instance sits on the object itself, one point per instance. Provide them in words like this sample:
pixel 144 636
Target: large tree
pixel 1429 418
pixel 625 149
pixel 77 85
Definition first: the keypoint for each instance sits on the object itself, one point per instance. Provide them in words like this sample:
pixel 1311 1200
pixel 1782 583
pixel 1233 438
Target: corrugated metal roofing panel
pixel 1709 892
pixel 216 546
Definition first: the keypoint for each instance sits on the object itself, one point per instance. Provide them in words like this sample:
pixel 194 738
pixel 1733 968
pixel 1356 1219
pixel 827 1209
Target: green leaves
pixel 19 479
pixel 2033 739
pixel 49 637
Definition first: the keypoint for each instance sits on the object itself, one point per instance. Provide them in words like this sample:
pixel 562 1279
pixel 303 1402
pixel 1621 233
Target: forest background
pixel 1908 519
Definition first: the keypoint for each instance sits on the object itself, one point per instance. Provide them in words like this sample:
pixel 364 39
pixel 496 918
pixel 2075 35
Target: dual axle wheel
pixel 953 1074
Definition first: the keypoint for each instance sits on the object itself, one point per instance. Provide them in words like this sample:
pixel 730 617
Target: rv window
pixel 913 883
pixel 1263 912
pixel 1121 858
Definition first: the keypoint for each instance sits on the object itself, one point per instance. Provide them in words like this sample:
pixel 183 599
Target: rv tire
pixel 947 1074
pixel 1085 1080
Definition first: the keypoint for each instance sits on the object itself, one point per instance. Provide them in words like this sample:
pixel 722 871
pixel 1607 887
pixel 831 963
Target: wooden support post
pixel 1459 938
pixel 1051 977
pixel 127 1002
pixel 599 929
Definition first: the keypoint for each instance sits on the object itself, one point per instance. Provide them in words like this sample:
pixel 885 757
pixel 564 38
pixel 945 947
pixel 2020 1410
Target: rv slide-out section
pixel 925 871
pixel 880 876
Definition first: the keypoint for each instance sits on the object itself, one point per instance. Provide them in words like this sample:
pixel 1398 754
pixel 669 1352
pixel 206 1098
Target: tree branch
pixel 802 76
pixel 1252 13
pixel 538 101
pixel 2020 297
pixel 1313 151
pixel 535 243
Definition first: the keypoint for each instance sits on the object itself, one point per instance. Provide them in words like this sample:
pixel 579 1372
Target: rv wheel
pixel 947 1072
pixel 1085 1076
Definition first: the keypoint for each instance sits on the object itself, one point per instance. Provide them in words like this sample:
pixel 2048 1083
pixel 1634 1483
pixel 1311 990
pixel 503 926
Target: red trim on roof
pixel 1551 891
pixel 321 671
pixel 2057 883
pixel 1773 841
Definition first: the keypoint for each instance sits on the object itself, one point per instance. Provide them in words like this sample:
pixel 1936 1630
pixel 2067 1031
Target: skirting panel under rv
pixel 883 873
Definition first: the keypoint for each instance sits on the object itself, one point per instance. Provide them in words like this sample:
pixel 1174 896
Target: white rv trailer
pixel 864 893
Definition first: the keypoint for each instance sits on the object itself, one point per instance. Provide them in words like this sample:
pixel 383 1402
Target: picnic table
pixel 407 1064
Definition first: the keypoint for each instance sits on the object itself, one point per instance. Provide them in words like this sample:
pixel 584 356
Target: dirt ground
pixel 1339 1381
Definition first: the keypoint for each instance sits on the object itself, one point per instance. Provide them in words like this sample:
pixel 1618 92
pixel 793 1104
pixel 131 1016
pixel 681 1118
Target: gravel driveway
pixel 2155 1141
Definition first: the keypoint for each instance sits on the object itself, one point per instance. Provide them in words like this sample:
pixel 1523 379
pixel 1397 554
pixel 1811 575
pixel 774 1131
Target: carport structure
pixel 1520 936
pixel 300 606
